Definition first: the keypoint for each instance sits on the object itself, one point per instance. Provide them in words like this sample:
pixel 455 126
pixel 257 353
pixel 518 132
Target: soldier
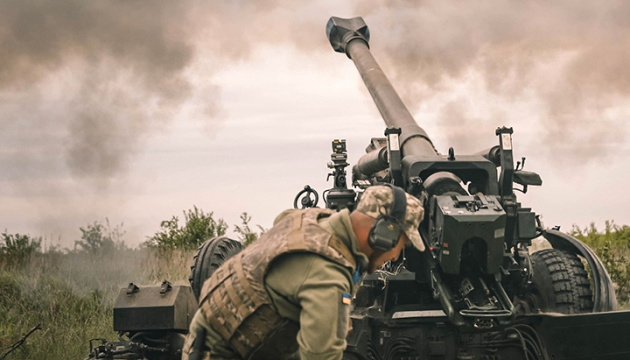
pixel 291 289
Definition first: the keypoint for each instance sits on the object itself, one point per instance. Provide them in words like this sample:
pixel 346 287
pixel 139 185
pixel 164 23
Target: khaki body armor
pixel 235 302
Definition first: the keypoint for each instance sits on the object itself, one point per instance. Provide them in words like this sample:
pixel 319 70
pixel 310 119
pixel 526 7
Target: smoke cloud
pixel 109 72
pixel 84 84
pixel 104 68
pixel 567 59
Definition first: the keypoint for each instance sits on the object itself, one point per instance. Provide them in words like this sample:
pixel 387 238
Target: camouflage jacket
pixel 237 305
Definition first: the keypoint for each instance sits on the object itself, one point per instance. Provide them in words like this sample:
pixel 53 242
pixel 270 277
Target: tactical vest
pixel 235 302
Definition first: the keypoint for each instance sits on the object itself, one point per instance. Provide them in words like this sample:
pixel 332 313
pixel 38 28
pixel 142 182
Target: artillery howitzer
pixel 476 293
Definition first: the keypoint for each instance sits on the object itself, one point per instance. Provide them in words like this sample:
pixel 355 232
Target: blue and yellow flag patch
pixel 346 299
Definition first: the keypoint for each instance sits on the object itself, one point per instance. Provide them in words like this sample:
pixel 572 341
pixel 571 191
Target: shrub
pixel 198 227
pixel 246 235
pixel 97 238
pixel 15 249
pixel 613 248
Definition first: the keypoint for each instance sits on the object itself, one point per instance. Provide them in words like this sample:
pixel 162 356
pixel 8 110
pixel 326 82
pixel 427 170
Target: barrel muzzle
pixel 341 32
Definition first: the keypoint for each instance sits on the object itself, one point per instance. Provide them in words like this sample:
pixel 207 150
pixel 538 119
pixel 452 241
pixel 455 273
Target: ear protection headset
pixel 385 233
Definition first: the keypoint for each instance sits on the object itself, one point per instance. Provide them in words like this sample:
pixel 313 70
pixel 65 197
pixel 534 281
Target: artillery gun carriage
pixel 475 293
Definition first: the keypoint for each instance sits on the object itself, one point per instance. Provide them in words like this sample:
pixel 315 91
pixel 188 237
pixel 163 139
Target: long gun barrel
pixel 352 36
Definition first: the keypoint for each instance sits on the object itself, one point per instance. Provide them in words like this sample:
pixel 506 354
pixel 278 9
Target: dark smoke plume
pixel 121 68
pixel 116 65
pixel 117 70
pixel 84 83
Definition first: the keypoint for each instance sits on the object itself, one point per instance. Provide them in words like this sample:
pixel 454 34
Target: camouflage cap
pixel 377 200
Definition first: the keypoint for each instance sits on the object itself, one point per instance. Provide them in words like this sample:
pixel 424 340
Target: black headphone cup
pixel 385 233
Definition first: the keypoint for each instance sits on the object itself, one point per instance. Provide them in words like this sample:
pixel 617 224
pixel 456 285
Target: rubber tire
pixel 560 283
pixel 210 255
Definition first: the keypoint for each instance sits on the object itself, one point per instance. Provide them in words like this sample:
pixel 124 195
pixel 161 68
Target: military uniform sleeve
pixel 325 314
pixel 317 287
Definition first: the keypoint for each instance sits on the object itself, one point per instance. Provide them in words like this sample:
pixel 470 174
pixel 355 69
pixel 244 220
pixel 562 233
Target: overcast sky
pixel 136 111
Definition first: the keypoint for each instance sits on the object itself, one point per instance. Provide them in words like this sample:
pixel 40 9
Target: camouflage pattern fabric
pixel 377 200
pixel 235 301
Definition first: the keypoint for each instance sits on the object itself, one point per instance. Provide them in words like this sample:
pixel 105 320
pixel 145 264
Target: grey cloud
pixel 569 56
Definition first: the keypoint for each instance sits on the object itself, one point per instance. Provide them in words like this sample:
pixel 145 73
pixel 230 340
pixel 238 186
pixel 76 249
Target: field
pixel 72 297
pixel 71 293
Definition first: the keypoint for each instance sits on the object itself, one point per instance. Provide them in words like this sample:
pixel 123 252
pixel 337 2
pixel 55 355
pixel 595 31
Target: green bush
pixel 97 238
pixel 246 234
pixel 15 249
pixel 613 248
pixel 198 227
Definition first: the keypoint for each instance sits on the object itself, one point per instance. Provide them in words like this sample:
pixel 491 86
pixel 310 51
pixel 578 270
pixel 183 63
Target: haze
pixel 136 111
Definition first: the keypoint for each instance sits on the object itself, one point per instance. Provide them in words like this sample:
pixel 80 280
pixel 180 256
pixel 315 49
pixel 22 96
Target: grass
pixel 72 296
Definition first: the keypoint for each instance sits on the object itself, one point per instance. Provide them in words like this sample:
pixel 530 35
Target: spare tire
pixel 210 255
pixel 560 283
